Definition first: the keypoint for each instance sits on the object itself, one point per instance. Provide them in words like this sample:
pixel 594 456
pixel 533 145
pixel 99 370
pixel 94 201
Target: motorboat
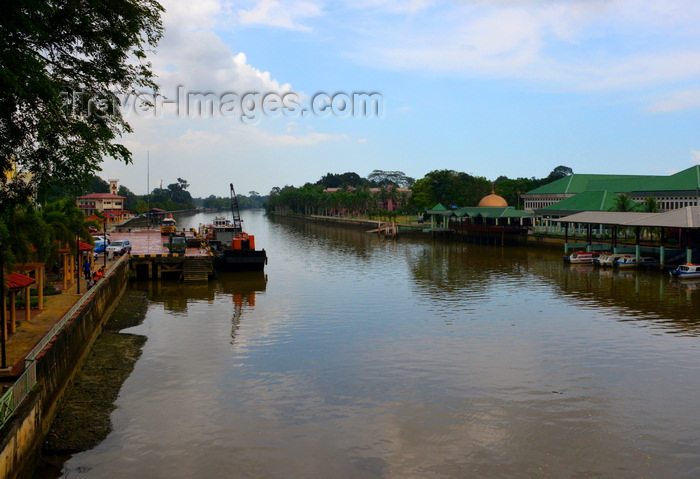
pixel 581 257
pixel 610 259
pixel 686 271
pixel 630 261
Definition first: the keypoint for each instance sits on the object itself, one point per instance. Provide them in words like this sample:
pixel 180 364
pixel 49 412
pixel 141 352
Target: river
pixel 359 357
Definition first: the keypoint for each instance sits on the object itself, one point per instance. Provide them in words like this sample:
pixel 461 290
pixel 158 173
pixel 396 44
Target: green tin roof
pixel 438 209
pixel 586 201
pixel 685 180
pixel 574 184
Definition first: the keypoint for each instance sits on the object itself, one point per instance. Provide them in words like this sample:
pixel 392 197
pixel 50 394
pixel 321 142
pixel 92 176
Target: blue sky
pixel 488 87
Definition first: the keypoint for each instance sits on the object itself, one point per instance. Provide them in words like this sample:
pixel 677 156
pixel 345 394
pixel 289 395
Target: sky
pixel 488 87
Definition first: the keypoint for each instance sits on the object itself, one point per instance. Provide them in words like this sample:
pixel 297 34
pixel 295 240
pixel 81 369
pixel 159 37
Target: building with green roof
pixel 671 192
pixel 586 201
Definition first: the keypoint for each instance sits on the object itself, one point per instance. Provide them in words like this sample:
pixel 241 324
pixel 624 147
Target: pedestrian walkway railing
pixel 13 397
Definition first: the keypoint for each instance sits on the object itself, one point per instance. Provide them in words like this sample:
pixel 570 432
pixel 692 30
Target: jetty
pixel 156 256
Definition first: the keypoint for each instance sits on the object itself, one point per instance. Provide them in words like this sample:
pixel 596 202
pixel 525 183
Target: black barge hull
pixel 240 260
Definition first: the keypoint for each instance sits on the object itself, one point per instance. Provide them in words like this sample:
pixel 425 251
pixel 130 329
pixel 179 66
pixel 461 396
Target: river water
pixel 358 357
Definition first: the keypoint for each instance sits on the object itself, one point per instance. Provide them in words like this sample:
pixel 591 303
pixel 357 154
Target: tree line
pixel 447 187
pixel 173 197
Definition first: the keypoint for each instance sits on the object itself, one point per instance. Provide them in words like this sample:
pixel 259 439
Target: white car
pixel 119 247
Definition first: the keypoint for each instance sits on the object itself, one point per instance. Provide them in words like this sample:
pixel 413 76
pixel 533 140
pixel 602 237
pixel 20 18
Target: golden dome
pixel 493 200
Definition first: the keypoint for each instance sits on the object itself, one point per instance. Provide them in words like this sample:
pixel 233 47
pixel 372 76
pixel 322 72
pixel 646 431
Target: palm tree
pixel 29 239
pixel 624 203
pixel 66 222
pixel 651 205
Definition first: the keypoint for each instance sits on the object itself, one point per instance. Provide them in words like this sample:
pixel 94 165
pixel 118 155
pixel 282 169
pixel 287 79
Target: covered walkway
pixel 677 228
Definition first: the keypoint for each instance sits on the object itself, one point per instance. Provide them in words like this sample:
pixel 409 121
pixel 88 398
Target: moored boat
pixel 629 261
pixel 626 261
pixel 581 257
pixel 233 249
pixel 686 271
pixel 608 259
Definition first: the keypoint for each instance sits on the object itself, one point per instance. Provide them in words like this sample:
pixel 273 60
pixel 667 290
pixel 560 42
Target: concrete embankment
pixel 82 419
pixel 22 436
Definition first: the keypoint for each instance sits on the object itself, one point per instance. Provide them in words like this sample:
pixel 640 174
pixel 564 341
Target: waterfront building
pixel 491 221
pixel 671 192
pixel 111 204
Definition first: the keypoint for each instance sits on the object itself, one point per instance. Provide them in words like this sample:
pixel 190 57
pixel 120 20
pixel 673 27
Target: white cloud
pixel 677 101
pixel 265 138
pixel 273 13
pixel 695 156
pixel 577 44
pixel 193 55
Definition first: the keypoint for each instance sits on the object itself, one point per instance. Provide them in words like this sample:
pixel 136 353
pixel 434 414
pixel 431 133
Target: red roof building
pixel 101 202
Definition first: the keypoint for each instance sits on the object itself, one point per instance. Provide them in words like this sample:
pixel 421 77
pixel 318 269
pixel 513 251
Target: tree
pixel 624 203
pixel 177 193
pixel 331 180
pixel 651 205
pixel 386 178
pixel 64 67
pixel 449 187
pixel 559 172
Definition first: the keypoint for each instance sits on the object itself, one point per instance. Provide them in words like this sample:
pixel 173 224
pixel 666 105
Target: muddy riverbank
pixel 83 418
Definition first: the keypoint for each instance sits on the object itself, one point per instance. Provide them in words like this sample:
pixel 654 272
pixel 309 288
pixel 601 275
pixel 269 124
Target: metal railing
pixel 13 397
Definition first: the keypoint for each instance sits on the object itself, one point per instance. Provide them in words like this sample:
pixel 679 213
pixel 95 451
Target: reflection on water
pixel 354 356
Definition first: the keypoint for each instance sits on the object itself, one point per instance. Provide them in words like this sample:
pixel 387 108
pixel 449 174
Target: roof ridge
pixel 568 184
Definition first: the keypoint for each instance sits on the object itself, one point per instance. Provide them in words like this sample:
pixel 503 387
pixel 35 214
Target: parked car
pixel 101 236
pixel 119 247
pixel 100 245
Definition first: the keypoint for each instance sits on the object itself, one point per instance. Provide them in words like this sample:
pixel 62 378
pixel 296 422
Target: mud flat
pixel 83 420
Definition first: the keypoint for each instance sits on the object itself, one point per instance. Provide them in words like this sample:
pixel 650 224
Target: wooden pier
pixel 152 259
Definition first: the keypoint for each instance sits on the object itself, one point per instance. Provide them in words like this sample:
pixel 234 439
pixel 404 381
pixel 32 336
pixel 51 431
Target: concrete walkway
pixel 29 333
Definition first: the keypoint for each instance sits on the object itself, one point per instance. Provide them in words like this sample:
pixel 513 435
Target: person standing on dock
pixel 86 269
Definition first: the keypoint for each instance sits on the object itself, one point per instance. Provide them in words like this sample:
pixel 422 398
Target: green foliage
pixel 141 206
pixel 624 203
pixel 131 198
pixel 511 190
pixel 63 65
pixel 174 197
pixel 449 187
pixel 650 205
pixel 559 172
pixel 387 178
pixel 331 180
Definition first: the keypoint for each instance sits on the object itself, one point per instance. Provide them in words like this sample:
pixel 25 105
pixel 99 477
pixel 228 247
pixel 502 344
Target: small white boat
pixel 626 261
pixel 686 271
pixel 607 259
pixel 629 261
pixel 580 257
